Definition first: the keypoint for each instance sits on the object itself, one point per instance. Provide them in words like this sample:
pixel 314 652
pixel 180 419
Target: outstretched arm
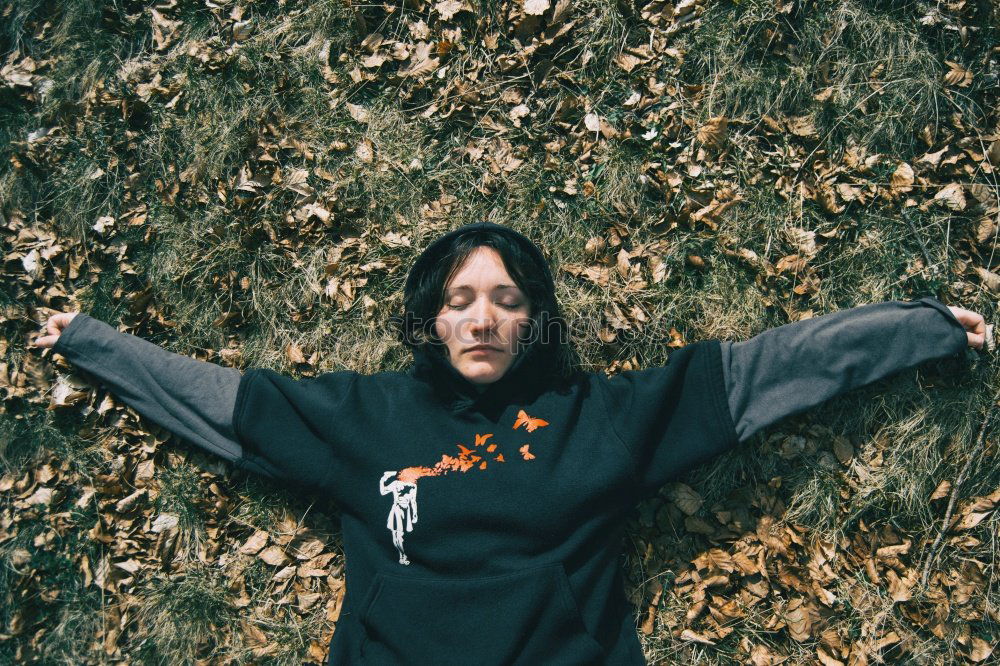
pixel 793 367
pixel 190 398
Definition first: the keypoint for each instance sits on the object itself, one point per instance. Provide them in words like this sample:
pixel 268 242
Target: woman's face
pixel 482 307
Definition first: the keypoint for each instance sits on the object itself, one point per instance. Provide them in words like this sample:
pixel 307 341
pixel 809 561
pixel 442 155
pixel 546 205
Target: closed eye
pixel 506 306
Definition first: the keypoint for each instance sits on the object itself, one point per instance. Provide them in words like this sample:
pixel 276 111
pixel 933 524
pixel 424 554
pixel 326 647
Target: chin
pixel 486 375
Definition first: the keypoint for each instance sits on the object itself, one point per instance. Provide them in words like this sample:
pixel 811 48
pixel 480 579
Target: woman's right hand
pixel 54 327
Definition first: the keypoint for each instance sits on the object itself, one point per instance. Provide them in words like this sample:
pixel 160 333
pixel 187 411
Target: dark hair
pixel 547 329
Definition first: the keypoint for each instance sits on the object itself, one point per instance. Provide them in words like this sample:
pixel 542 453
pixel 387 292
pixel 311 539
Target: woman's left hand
pixel 975 325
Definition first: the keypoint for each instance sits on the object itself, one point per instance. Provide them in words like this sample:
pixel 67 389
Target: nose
pixel 483 319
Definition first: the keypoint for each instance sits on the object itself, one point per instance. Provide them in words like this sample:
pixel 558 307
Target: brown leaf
pixel 685 497
pixel 827 659
pixel 989 279
pixel 130 565
pixel 308 600
pixel 894 550
pixel 888 639
pixel 599 275
pixel 274 556
pixel 127 504
pixel 843 449
pixel 971 519
pixel 942 490
pixel 798 619
pixel 981 650
pixel 690 635
pixel 40 496
pixel 932 159
pixel 761 655
pixel 253 545
pixel 957 75
pixel 952 197
pixel 802 126
pixel 421 62
pixel 364 151
pixel 827 198
pixel 993 154
pixel 535 7
pixel 902 178
pixel 714 132
pixel 900 588
pixel 985 230
pixel 803 239
pixel 164 522
pixel 358 112
pixel 448 8
pixel 294 353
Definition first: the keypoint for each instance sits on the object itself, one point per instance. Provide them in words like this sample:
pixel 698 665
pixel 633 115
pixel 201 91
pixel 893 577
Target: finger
pixel 46 341
pixel 976 341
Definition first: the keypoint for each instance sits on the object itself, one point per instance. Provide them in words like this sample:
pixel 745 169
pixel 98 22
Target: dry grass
pixel 879 68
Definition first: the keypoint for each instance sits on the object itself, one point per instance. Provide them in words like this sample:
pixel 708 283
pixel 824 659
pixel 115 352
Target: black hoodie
pixel 486 527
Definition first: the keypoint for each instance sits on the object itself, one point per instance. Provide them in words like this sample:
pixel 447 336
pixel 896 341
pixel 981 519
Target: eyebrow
pixel 467 287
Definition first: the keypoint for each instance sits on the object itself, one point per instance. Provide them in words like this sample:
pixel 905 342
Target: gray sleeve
pixel 791 368
pixel 190 398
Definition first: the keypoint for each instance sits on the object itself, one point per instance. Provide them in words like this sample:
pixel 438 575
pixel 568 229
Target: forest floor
pixel 247 183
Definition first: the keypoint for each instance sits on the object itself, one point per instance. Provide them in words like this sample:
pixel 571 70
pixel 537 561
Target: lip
pixel 481 348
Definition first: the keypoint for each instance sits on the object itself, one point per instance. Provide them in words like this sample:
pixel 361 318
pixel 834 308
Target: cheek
pixel 444 326
pixel 517 328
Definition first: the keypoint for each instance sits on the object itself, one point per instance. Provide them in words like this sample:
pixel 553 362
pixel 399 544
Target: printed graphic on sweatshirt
pixel 403 483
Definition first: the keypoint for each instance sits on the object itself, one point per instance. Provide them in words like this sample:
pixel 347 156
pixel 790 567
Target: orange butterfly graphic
pixel 464 450
pixel 499 458
pixel 524 452
pixel 530 423
pixel 481 439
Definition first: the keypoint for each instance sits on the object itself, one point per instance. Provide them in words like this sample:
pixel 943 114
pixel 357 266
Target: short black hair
pixel 425 298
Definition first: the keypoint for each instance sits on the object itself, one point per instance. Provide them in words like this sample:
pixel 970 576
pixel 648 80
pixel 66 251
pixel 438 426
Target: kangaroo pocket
pixel 527 617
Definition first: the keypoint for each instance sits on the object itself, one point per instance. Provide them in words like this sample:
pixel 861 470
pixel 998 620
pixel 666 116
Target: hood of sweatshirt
pixel 532 368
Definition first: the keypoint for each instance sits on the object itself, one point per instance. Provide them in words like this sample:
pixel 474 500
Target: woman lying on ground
pixel 527 467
